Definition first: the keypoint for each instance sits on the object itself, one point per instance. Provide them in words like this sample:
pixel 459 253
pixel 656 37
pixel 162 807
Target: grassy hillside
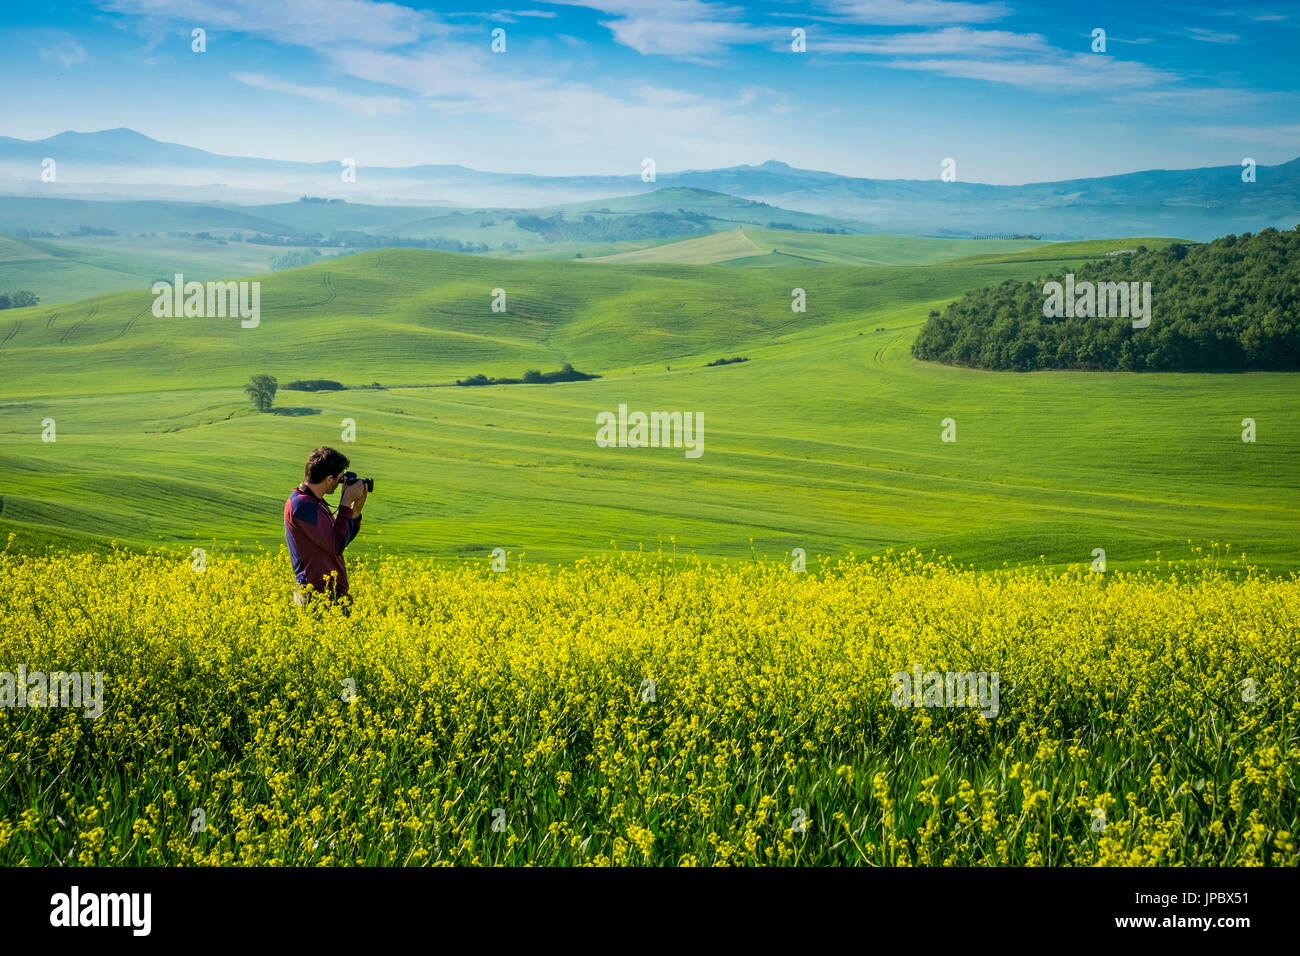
pixel 716 205
pixel 751 246
pixel 43 242
pixel 623 218
pixel 69 269
pixel 827 439
pixel 468 224
pixel 128 216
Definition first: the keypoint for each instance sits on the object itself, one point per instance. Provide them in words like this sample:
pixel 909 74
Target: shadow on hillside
pixel 295 412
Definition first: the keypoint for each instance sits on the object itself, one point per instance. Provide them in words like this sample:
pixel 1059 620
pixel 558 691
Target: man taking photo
pixel 316 535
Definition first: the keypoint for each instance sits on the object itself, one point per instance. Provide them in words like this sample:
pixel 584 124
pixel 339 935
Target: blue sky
pixel 886 88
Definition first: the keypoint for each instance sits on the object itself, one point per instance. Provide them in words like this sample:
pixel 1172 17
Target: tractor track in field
pixel 71 331
pixel 13 330
pixel 778 330
pixel 879 357
pixel 49 324
pixel 330 296
pixel 132 321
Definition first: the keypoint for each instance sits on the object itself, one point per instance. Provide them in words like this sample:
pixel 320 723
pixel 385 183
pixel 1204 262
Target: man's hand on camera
pixel 354 497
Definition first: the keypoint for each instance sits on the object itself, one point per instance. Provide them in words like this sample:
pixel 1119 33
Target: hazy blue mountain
pixel 667 212
pixel 1193 203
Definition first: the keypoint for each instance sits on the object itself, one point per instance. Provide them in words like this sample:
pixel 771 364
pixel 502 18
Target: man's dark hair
pixel 323 463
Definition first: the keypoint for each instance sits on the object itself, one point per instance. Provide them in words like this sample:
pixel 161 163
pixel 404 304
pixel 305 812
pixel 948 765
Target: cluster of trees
pixel 79 231
pixel 194 235
pixel 532 377
pixel 355 239
pixel 291 260
pixel 791 227
pixel 18 299
pixel 725 361
pixel 364 240
pixel 315 385
pixel 306 239
pixel 615 228
pixel 1230 304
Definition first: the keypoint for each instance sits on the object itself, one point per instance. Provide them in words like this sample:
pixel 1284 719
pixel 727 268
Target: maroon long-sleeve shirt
pixel 317 539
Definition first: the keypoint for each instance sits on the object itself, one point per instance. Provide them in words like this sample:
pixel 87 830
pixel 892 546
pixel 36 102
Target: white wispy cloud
pixel 682 38
pixel 358 104
pixel 1000 56
pixel 663 9
pixel 684 28
pixel 296 22
pixel 1210 36
pixel 948 48
pixel 59 47
pixel 1201 99
pixel 914 12
pixel 949 40
pixel 384 43
pixel 699 27
pixel 415 56
pixel 1072 72
pixel 377 43
pixel 458 81
pixel 1285 137
pixel 1136 41
pixel 501 16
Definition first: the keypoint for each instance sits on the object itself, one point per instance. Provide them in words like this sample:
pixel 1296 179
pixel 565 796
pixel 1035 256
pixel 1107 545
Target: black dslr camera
pixel 350 478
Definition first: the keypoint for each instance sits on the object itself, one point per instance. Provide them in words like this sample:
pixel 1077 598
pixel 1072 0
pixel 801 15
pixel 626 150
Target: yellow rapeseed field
pixel 634 710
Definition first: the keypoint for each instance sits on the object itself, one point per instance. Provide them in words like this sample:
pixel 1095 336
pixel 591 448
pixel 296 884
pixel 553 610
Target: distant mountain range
pixel 1191 203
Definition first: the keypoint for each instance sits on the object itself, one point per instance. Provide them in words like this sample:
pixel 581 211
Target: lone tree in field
pixel 261 389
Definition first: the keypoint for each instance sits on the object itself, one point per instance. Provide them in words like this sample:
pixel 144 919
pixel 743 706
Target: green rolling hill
pixel 755 247
pixel 68 269
pixel 70 249
pixel 828 439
